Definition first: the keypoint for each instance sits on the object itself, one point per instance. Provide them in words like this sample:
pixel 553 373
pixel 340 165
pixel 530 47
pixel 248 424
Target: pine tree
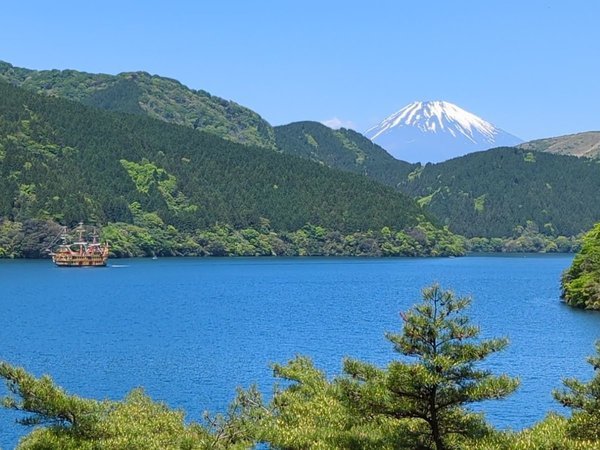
pixel 434 390
pixel 584 400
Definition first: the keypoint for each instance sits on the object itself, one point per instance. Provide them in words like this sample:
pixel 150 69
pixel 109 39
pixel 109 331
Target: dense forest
pixel 342 149
pixel 421 400
pixel 165 187
pixel 581 282
pixel 141 93
pixel 488 194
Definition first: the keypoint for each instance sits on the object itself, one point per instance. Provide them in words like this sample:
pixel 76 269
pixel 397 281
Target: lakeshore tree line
pixel 419 401
pixel 148 235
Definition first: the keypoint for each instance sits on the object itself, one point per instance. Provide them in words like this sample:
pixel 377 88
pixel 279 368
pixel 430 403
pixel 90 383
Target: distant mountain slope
pixel 139 92
pixel 490 193
pixel 64 161
pixel 341 149
pixel 436 131
pixel 581 144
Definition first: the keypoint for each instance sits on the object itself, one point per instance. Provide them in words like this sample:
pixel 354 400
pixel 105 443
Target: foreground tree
pixel 584 400
pixel 431 392
pixel 70 422
pixel 310 413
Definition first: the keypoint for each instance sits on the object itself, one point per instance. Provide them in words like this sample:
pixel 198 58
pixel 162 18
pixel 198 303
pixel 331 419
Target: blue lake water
pixel 190 330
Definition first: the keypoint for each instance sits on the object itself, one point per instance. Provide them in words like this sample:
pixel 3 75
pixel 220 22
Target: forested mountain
pixel 490 193
pixel 141 93
pixel 580 144
pixel 64 161
pixel 487 194
pixel 342 149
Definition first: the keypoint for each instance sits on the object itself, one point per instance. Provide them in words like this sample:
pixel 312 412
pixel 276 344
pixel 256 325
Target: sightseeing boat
pixel 80 253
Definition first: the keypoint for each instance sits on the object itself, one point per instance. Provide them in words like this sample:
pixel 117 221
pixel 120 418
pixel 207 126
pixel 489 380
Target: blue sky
pixel 530 67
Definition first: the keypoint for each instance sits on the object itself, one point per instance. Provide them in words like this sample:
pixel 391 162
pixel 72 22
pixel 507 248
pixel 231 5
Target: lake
pixel 190 330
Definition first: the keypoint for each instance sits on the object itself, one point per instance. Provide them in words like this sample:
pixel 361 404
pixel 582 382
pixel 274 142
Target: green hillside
pixel 490 193
pixel 342 149
pixel 580 144
pixel 65 162
pixel 487 194
pixel 139 92
pixel 581 282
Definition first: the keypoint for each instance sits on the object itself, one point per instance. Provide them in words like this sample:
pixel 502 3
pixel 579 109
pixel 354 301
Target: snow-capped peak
pixel 415 121
pixel 436 116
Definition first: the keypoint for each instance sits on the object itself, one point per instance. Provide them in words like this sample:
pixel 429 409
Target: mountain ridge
pixel 159 97
pixel 584 144
pixel 342 149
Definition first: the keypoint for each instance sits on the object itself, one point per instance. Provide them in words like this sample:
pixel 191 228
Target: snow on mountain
pixel 436 131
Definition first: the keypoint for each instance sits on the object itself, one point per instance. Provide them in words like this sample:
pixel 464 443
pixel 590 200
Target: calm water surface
pixel 191 330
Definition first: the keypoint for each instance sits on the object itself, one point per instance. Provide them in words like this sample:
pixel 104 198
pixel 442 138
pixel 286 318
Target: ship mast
pixel 80 230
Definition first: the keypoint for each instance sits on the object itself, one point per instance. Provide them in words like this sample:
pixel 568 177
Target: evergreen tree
pixel 434 390
pixel 584 400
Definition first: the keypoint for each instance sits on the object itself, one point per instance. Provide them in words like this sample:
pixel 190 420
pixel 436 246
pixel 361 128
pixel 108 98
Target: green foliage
pixel 581 282
pixel 310 413
pixel 341 149
pixel 479 203
pixel 584 399
pixel 527 239
pixel 143 175
pixel 47 403
pixel 488 194
pixel 10 239
pixel 549 434
pixel 148 235
pixel 158 97
pixel 137 422
pixel 28 239
pixel 484 194
pixel 435 389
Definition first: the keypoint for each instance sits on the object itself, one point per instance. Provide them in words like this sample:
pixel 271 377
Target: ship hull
pixel 80 261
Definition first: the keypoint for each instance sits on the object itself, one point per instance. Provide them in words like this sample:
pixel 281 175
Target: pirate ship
pixel 81 253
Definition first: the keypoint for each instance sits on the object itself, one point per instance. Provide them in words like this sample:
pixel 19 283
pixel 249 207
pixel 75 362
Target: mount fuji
pixel 436 131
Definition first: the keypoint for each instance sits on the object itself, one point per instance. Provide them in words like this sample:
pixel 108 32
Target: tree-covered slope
pixel 581 282
pixel 580 144
pixel 139 92
pixel 487 194
pixel 342 149
pixel 67 162
pixel 490 193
